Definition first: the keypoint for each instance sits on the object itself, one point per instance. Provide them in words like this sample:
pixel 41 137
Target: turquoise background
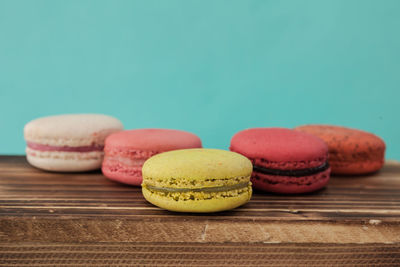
pixel 210 67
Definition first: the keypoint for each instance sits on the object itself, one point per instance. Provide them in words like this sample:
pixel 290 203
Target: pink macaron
pixel 126 151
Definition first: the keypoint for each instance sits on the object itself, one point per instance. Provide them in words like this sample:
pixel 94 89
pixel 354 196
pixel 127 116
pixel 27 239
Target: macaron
pixel 284 161
pixel 197 180
pixel 351 151
pixel 126 151
pixel 68 143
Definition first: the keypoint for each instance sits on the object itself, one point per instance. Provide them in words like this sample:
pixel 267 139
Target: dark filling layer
pixel 293 173
pixel 205 189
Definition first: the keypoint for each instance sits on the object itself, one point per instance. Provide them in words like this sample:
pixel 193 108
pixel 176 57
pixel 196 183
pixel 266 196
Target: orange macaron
pixel 351 151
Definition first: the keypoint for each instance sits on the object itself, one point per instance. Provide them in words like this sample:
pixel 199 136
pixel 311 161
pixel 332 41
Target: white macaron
pixel 68 143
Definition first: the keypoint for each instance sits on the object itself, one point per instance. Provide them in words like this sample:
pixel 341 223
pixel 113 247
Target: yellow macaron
pixel 197 180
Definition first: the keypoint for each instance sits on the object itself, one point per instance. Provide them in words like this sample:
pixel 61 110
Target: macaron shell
pixel 356 168
pixel 66 161
pixel 71 129
pixel 290 185
pixel 351 151
pixel 121 172
pixel 160 140
pixel 197 206
pixel 197 164
pixel 280 148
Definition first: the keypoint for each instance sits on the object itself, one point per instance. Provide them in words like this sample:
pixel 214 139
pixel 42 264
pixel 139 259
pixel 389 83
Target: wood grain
pixel 195 254
pixel 45 218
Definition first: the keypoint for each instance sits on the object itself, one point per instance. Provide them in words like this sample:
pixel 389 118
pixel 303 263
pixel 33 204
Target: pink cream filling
pixel 41 147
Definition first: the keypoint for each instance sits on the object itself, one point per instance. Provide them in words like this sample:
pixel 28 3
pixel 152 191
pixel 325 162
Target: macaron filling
pixel 41 147
pixel 292 173
pixel 186 183
pixel 206 193
pixel 205 189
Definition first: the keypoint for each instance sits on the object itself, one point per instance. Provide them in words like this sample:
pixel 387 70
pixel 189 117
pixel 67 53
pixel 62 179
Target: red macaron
pixel 284 161
pixel 351 151
pixel 126 151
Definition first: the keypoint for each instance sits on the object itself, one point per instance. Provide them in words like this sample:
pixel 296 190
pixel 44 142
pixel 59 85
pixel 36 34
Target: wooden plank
pixel 46 217
pixel 198 254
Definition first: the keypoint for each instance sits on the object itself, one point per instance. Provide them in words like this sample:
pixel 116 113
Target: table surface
pixel 84 219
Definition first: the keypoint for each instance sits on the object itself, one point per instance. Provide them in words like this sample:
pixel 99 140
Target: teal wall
pixel 210 67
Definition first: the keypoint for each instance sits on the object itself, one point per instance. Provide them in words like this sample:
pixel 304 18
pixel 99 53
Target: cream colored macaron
pixel 68 143
pixel 197 180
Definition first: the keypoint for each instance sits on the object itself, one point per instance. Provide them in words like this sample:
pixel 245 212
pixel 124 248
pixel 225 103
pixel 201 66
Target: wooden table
pixel 50 219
